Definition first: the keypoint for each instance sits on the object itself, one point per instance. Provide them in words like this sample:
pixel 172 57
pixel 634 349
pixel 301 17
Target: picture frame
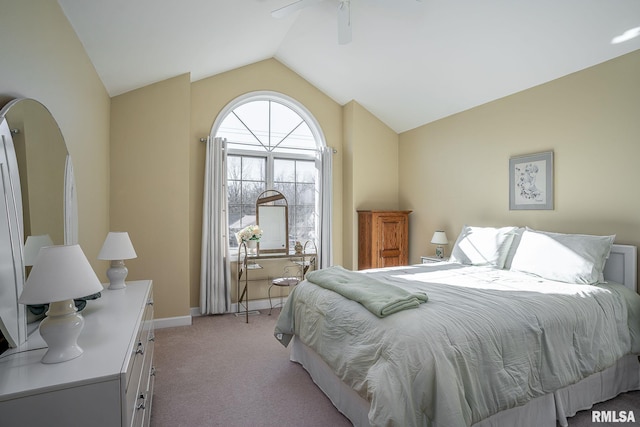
pixel 531 181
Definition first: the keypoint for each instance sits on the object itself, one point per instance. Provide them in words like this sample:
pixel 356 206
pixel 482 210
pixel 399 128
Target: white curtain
pixel 326 208
pixel 215 277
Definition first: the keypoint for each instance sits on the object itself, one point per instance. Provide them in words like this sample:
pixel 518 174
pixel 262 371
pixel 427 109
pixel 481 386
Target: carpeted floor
pixel 221 371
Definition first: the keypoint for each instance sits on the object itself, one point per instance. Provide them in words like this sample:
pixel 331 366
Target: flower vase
pixel 252 246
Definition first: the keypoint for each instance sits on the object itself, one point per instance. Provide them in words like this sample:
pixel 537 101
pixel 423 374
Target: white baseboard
pixel 170 322
pixel 259 304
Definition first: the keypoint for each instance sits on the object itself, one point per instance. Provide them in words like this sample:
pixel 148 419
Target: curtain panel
pixel 326 208
pixel 215 276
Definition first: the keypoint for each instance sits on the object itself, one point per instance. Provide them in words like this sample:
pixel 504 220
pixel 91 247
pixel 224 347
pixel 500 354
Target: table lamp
pixel 439 238
pixel 60 274
pixel 116 248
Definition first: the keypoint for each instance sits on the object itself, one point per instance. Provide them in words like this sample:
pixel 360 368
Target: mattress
pixel 487 341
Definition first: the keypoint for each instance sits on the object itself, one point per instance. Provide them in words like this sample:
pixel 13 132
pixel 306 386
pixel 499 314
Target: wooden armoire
pixel 383 238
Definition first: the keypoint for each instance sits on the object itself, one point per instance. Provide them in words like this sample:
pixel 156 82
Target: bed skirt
pixel 549 410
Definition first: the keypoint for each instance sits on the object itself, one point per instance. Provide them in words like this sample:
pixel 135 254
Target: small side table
pixel 433 259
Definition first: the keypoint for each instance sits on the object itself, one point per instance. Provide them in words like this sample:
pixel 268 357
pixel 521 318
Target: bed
pixel 522 327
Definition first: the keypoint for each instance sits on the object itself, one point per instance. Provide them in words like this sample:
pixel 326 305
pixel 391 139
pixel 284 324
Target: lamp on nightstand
pixel 116 248
pixel 439 238
pixel 60 274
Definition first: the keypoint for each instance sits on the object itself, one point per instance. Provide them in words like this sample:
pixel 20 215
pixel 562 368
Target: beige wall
pixel 370 171
pixel 455 171
pixel 150 187
pixel 140 141
pixel 43 59
pixel 450 172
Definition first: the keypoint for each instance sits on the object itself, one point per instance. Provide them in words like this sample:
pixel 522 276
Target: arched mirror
pixel 42 162
pixel 272 217
pixel 46 206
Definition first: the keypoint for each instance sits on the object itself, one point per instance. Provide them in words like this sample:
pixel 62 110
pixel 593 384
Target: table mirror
pixel 272 216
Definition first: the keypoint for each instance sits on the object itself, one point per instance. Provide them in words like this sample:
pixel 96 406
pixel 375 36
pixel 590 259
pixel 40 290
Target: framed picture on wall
pixel 531 181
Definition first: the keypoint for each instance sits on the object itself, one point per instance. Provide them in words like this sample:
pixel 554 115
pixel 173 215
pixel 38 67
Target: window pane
pixel 235 213
pixel 306 171
pixel 306 194
pixel 255 116
pixel 305 216
pixel 289 130
pixel 253 169
pixel 284 122
pixel 289 191
pixel 250 192
pixel 284 170
pixel 246 179
pixel 235 131
pixel 234 167
pixel 301 137
pixel 235 193
pixel 303 223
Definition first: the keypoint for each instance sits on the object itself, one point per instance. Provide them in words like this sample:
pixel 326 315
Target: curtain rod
pixel 333 150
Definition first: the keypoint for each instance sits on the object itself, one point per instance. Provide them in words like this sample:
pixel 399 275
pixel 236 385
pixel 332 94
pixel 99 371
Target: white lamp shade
pixel 439 238
pixel 59 273
pixel 117 246
pixel 32 247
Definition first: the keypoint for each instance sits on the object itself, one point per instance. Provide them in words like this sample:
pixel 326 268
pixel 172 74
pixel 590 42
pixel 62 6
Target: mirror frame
pixel 275 225
pixel 13 321
pixel 68 218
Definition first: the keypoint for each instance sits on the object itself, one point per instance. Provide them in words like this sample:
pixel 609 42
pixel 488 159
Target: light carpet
pixel 221 371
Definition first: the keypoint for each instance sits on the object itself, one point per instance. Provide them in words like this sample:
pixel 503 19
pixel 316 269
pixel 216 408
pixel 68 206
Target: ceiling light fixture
pixel 344 15
pixel 626 36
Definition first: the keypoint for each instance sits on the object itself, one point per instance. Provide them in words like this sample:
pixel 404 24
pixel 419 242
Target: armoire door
pixel 392 238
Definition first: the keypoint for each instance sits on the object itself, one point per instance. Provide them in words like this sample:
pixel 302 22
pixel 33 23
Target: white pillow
pixel 517 235
pixel 482 246
pixel 571 258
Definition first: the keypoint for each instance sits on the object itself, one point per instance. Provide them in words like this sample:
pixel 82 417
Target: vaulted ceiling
pixel 409 62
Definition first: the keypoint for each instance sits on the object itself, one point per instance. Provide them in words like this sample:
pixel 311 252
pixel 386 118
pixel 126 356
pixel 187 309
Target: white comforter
pixel 486 341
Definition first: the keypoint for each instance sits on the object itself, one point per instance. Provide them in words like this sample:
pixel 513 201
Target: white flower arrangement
pixel 250 232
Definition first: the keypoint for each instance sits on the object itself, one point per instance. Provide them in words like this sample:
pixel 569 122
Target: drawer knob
pixel 152 338
pixel 140 349
pixel 141 405
pixel 153 371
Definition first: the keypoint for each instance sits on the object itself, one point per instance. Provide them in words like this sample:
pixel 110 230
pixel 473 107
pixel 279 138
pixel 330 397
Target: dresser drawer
pixel 142 409
pixel 133 381
pixel 137 376
pixel 103 385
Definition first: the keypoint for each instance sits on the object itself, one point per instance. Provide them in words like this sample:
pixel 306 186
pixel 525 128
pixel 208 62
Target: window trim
pixel 267 95
pixel 297 107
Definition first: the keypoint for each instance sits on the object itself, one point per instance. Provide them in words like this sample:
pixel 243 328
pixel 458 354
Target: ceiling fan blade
pixel 290 8
pixel 344 22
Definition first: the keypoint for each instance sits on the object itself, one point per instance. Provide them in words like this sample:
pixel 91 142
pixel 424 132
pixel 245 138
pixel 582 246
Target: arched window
pixel 272 142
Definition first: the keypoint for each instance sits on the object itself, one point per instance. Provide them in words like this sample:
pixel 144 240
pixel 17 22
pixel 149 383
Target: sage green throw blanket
pixel 380 298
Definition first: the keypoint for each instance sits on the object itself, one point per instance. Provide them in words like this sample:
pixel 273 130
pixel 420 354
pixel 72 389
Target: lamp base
pixel 439 252
pixel 60 330
pixel 116 274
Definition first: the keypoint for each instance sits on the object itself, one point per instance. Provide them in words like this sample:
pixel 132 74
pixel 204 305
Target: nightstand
pixel 433 259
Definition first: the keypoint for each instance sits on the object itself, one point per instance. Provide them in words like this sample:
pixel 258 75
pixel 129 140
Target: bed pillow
pixel 482 246
pixel 570 258
pixel 517 235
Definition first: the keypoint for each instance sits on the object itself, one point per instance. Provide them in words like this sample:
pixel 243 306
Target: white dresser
pixel 111 384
